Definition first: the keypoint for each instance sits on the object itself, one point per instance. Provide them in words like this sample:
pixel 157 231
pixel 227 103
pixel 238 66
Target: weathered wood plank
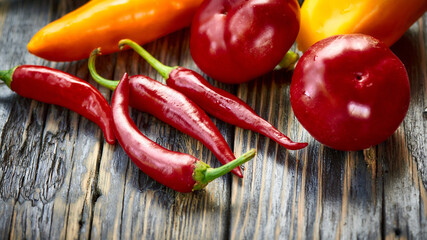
pixel 59 179
pixel 413 52
pixel 3 12
pixel 49 153
pixel 260 199
pixel 20 144
pixel 405 154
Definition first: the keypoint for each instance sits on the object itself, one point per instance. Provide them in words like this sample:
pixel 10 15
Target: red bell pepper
pixel 350 91
pixel 238 40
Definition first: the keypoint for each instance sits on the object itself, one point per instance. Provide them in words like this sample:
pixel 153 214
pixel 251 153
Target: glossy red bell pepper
pixel 234 41
pixel 350 91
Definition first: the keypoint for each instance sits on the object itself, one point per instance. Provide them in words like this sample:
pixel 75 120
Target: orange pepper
pixel 104 23
pixel 386 20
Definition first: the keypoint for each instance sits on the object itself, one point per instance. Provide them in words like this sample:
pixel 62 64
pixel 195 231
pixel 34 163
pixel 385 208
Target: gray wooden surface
pixel 59 179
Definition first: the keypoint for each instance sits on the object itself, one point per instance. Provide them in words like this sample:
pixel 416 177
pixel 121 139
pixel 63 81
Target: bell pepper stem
pixel 6 76
pixel 288 61
pixel 110 84
pixel 204 174
pixel 156 64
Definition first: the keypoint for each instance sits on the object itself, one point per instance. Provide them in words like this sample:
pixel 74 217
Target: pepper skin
pixel 179 171
pixel 56 87
pixel 104 23
pixel 350 92
pixel 215 101
pixel 386 20
pixel 173 108
pixel 236 41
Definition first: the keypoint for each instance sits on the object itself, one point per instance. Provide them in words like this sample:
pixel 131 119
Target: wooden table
pixel 59 179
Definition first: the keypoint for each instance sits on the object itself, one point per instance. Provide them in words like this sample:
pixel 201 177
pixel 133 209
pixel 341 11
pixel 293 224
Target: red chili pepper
pixel 179 171
pixel 174 108
pixel 57 87
pixel 217 102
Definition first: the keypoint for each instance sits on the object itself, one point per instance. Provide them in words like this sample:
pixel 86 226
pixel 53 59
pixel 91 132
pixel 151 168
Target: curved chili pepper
pixel 104 23
pixel 217 102
pixel 53 86
pixel 174 108
pixel 179 171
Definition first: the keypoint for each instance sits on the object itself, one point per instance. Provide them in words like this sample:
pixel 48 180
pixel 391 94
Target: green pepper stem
pixel 288 61
pixel 204 174
pixel 110 84
pixel 6 76
pixel 156 64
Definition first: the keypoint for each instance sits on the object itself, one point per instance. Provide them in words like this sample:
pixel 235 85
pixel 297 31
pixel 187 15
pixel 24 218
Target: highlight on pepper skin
pixel 104 23
pixel 53 86
pixel 350 92
pixel 386 20
pixel 179 171
pixel 173 108
pixel 215 101
pixel 236 41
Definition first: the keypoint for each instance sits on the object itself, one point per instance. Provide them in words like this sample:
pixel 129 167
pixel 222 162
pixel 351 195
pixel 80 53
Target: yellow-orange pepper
pixel 386 20
pixel 104 23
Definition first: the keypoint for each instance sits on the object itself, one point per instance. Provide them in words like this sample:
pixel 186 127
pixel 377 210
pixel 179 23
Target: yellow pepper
pixel 104 23
pixel 386 20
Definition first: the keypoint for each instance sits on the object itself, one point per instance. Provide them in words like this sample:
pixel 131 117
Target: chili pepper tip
pixel 297 145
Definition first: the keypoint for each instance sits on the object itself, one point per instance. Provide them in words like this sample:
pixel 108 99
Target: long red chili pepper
pixel 217 102
pixel 174 108
pixel 57 87
pixel 179 171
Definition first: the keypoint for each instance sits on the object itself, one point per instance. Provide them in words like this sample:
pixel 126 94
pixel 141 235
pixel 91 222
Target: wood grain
pixel 60 180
